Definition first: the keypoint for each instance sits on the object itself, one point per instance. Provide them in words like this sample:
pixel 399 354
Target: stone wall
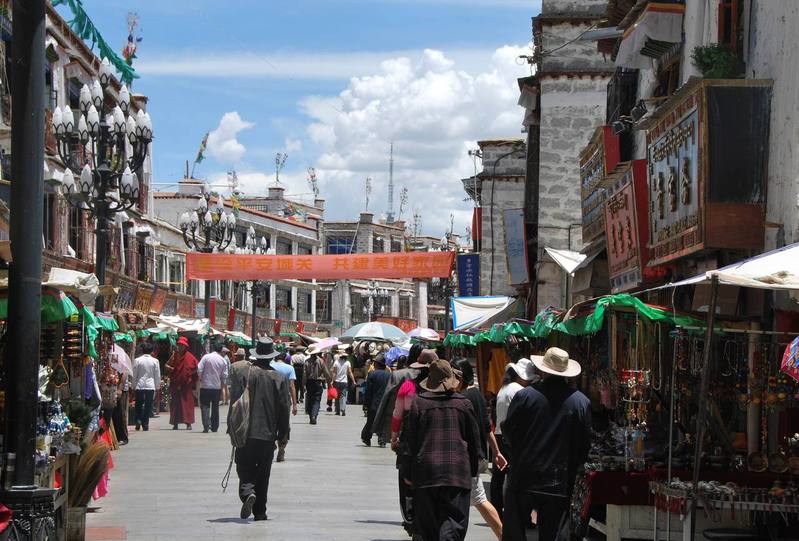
pixel 508 194
pixel 570 110
pixel 774 54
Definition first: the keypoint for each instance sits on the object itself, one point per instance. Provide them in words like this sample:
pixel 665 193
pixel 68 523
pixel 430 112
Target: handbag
pixel 332 393
pixel 239 416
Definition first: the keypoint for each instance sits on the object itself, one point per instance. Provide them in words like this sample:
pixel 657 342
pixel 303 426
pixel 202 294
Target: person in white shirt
pixel 146 379
pixel 342 374
pixel 213 373
pixel 518 375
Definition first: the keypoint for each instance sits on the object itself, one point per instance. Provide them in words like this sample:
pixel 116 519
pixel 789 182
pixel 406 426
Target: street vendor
pixel 182 369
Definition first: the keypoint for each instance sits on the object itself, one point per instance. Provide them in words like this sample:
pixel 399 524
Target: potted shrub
pixel 716 61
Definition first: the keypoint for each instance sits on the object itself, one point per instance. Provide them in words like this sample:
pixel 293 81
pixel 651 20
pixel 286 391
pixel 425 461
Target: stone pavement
pixel 166 486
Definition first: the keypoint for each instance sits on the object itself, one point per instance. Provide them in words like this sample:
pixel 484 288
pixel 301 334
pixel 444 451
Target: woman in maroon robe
pixel 182 382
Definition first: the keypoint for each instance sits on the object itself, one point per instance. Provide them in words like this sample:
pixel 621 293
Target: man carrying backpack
pixel 267 415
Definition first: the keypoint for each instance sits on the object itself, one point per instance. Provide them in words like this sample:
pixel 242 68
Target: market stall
pixel 78 377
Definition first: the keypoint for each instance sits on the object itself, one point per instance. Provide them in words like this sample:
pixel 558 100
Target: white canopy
pixel 476 312
pixel 84 286
pixel 778 269
pixel 568 260
pixel 180 324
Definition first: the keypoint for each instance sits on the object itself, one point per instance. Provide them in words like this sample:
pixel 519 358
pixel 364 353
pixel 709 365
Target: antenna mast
pixel 390 213
pixel 403 202
pixel 312 181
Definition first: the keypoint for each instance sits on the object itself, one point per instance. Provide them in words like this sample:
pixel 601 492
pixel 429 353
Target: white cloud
pixel 222 142
pixel 433 108
pixel 284 64
pixel 292 145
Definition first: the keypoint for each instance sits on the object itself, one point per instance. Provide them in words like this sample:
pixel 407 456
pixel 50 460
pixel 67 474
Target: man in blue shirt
pixel 284 368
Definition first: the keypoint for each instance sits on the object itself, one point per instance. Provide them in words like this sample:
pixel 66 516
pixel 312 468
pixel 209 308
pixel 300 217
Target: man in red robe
pixel 182 382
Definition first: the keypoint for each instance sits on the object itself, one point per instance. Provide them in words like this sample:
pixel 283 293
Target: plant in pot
pixel 716 61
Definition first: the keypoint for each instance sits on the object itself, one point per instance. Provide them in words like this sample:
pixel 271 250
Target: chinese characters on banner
pixel 469 275
pixel 200 266
pixel 515 246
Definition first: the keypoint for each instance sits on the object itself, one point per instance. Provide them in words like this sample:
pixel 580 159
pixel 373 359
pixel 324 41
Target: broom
pixel 93 463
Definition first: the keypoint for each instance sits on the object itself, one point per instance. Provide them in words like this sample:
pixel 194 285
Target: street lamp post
pixel 373 293
pixel 258 288
pixel 111 146
pixel 207 229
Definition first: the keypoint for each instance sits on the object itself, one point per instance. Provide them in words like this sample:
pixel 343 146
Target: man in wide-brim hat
pixel 548 430
pixel 440 418
pixel 269 423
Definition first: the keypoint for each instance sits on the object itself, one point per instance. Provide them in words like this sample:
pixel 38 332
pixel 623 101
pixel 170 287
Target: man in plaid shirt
pixel 441 451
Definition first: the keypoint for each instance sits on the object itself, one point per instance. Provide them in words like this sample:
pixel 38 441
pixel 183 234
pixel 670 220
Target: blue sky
pixel 331 82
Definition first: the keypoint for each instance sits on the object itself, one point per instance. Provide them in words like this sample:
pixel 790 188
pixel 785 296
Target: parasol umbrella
pixel 374 330
pixel 423 333
pixel 395 353
pixel 321 345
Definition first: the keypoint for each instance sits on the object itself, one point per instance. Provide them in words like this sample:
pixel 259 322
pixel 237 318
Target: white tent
pixel 777 269
pixel 478 312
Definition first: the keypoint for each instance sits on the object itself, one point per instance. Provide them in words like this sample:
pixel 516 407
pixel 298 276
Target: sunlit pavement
pixel 166 485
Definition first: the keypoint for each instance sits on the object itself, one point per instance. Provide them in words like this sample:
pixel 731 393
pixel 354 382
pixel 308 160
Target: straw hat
pixel 442 378
pixel 557 362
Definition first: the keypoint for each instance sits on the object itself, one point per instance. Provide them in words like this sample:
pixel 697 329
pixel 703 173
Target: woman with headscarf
pixel 182 369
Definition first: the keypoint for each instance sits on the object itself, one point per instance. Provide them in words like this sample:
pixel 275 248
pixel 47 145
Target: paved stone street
pixel 166 486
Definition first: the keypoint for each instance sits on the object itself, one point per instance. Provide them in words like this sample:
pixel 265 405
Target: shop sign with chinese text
pixel 468 266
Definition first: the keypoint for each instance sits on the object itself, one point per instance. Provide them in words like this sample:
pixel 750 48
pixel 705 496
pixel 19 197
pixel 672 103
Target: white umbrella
pixel 323 344
pixel 423 333
pixel 374 330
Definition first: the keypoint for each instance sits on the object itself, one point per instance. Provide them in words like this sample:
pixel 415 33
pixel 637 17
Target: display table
pixel 630 502
pixel 723 506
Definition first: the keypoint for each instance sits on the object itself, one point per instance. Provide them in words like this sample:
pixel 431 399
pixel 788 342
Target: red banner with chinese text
pixel 201 266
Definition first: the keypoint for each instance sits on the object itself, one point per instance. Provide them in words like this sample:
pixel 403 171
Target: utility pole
pixel 32 506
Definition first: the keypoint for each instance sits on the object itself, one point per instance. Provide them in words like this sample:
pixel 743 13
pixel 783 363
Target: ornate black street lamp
pixel 106 148
pixel 373 293
pixel 208 229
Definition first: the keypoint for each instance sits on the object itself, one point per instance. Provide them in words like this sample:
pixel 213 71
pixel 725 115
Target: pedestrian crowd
pixel 535 431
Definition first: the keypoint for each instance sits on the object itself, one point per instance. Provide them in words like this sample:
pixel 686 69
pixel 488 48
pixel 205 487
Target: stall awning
pixel 480 312
pixel 180 324
pixel 657 29
pixel 776 269
pixel 566 259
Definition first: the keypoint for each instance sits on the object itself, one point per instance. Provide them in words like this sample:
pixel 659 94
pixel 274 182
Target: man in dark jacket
pixel 269 422
pixel 441 451
pixel 376 384
pixel 547 429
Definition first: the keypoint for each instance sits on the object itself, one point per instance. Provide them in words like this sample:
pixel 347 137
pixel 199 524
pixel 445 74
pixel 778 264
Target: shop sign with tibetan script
pixel 184 307
pixel 126 296
pixel 596 161
pixel 626 256
pixel 675 213
pixel 144 296
pixel 158 300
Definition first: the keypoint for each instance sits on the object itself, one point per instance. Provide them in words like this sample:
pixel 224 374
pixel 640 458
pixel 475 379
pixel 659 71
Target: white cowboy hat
pixel 523 368
pixel 556 361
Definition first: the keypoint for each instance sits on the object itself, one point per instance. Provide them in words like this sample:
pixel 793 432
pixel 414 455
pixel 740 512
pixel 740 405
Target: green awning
pixel 123 337
pixel 100 321
pixel 55 306
pixel 549 320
